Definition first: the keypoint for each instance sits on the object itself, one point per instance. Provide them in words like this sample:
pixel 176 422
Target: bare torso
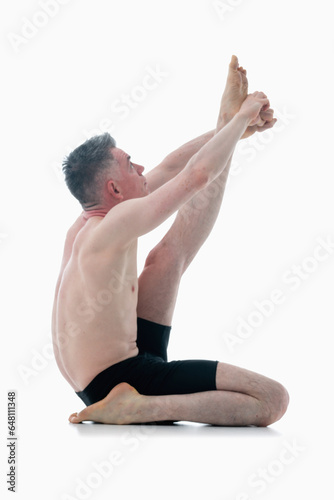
pixel 94 320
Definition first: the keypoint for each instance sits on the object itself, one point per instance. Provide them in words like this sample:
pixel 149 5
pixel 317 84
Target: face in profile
pixel 130 182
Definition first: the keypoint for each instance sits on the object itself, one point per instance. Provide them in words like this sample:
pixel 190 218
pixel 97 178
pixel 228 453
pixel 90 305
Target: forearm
pixel 223 120
pixel 175 162
pixel 213 157
pixel 178 159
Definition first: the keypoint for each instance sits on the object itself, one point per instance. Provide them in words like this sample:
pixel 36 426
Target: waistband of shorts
pixel 101 380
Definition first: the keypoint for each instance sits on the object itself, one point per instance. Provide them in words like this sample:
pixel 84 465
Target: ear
pixel 114 190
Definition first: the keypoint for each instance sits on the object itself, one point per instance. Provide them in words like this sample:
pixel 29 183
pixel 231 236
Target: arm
pixel 176 161
pixel 133 218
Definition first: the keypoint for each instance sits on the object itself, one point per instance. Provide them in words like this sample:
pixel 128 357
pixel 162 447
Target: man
pixel 111 330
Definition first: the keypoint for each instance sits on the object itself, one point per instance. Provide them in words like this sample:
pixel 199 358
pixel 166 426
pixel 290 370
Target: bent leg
pixel 124 405
pixel 272 395
pixel 242 398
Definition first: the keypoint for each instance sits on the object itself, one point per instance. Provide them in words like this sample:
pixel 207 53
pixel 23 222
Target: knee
pixel 167 257
pixel 275 405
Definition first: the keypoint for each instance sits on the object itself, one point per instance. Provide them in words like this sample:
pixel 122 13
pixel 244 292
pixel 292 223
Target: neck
pixel 98 212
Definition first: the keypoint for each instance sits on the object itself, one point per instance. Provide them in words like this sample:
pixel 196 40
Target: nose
pixel 140 169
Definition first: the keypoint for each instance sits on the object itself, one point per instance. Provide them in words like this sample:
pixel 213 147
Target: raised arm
pixel 173 163
pixel 133 218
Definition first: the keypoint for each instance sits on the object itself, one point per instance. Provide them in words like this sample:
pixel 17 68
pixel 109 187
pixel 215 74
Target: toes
pixel 74 419
pixel 234 62
pixel 85 414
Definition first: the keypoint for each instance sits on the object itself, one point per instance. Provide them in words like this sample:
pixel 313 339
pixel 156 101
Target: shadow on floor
pixel 182 429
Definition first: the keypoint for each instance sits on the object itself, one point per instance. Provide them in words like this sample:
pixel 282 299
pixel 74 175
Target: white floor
pixel 60 461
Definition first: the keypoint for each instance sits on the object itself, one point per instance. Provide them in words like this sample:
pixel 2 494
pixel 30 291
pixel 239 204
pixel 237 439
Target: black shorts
pixel 150 373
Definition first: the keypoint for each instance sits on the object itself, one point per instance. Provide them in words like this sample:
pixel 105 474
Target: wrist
pixel 242 118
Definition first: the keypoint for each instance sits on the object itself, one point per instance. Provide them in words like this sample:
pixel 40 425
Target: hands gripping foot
pixel 235 93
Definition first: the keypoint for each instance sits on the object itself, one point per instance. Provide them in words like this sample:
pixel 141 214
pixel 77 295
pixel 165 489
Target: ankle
pixel 157 408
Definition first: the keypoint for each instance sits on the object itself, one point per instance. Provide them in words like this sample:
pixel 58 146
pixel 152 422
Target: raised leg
pixel 160 279
pixel 166 263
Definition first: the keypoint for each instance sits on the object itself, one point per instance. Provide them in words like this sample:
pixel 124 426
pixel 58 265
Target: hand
pixel 252 106
pixel 265 122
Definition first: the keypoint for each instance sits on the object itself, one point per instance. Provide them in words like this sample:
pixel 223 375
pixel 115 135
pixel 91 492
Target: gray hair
pixel 86 166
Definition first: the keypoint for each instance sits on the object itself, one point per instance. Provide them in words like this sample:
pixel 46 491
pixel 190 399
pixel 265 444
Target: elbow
pixel 197 174
pixel 198 171
pixel 200 176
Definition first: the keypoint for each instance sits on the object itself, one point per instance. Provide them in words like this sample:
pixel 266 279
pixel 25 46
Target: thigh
pixel 151 375
pixel 160 378
pixel 158 284
pixel 152 338
pixel 235 379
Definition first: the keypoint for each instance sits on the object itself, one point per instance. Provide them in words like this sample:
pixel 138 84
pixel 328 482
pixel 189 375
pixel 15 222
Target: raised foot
pixel 236 88
pixel 123 405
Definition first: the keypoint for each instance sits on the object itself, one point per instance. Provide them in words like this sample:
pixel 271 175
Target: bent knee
pixel 276 405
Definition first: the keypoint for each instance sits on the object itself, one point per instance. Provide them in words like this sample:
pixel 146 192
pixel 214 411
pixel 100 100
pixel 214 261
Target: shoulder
pixel 76 227
pixel 108 233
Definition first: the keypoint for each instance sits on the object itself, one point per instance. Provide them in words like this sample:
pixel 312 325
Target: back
pixel 94 316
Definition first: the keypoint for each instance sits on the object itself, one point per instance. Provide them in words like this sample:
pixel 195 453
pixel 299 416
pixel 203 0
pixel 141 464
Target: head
pixel 100 175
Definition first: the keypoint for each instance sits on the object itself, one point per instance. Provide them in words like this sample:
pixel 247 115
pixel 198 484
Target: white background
pixel 62 82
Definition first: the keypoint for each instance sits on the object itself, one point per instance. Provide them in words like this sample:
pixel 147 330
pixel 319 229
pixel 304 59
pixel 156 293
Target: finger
pixel 266 106
pixel 267 125
pixel 259 95
pixel 268 111
pixel 234 62
pixel 259 122
pixel 265 103
pixel 267 115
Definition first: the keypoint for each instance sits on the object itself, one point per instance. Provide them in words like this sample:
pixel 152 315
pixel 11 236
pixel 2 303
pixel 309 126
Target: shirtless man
pixel 110 329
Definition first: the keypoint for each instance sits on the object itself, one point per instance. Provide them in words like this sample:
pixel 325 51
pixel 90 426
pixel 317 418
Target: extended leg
pixel 166 263
pixel 159 281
